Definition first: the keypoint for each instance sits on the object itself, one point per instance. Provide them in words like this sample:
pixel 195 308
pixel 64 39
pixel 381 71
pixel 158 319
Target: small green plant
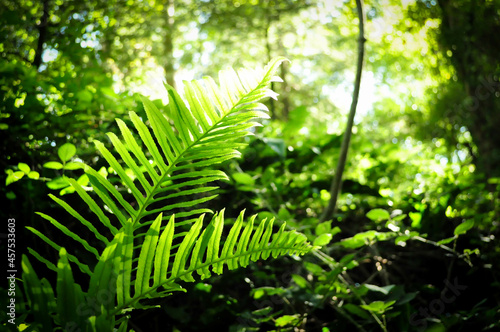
pixel 154 232
pixel 65 153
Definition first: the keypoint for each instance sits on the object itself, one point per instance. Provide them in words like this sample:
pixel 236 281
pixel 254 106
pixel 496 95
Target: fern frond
pixel 168 160
pixel 200 253
pixel 40 295
pixel 155 221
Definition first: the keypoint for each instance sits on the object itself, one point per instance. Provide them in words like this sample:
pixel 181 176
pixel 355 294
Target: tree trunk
pixel 337 180
pixel 285 88
pixel 272 107
pixel 169 28
pixel 42 34
pixel 467 30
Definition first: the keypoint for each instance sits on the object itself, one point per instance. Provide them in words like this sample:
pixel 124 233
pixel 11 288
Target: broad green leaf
pixel 287 320
pixel 257 293
pixel 416 218
pixel 464 227
pixel 363 238
pixel 34 175
pixel 203 287
pixel 300 281
pixel 67 190
pixel 447 240
pixel 24 167
pixel 378 306
pixel 313 268
pixel 18 175
pixel 58 183
pixel 352 243
pixel 243 178
pixel 13 177
pixel 72 165
pixel 324 227
pixel 83 180
pixel 53 165
pixel 66 151
pixel 263 312
pixel 323 239
pixel 378 215
pixel 335 230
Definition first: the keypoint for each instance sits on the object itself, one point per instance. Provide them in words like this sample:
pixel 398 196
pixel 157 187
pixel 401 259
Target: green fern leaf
pixel 156 232
pixel 201 253
pixel 167 165
pixel 69 294
pixel 40 298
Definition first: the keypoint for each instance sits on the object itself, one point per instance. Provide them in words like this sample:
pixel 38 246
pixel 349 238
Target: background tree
pixel 470 99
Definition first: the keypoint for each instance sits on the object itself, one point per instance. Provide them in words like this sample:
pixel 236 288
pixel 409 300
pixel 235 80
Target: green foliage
pixel 420 198
pixel 65 153
pixel 146 257
pixel 464 227
pixel 378 215
pixel 24 169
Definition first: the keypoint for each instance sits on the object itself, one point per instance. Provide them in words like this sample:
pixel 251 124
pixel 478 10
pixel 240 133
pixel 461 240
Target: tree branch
pixel 337 180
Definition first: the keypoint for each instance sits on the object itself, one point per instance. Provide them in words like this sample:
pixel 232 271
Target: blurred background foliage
pixel 420 203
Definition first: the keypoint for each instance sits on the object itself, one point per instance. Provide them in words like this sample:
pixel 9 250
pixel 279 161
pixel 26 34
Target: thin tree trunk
pixel 42 34
pixel 337 180
pixel 169 44
pixel 284 87
pixel 272 108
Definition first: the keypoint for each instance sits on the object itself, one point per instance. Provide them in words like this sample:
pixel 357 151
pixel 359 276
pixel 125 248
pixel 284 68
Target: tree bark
pixel 285 88
pixel 42 34
pixel 337 180
pixel 272 107
pixel 169 44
